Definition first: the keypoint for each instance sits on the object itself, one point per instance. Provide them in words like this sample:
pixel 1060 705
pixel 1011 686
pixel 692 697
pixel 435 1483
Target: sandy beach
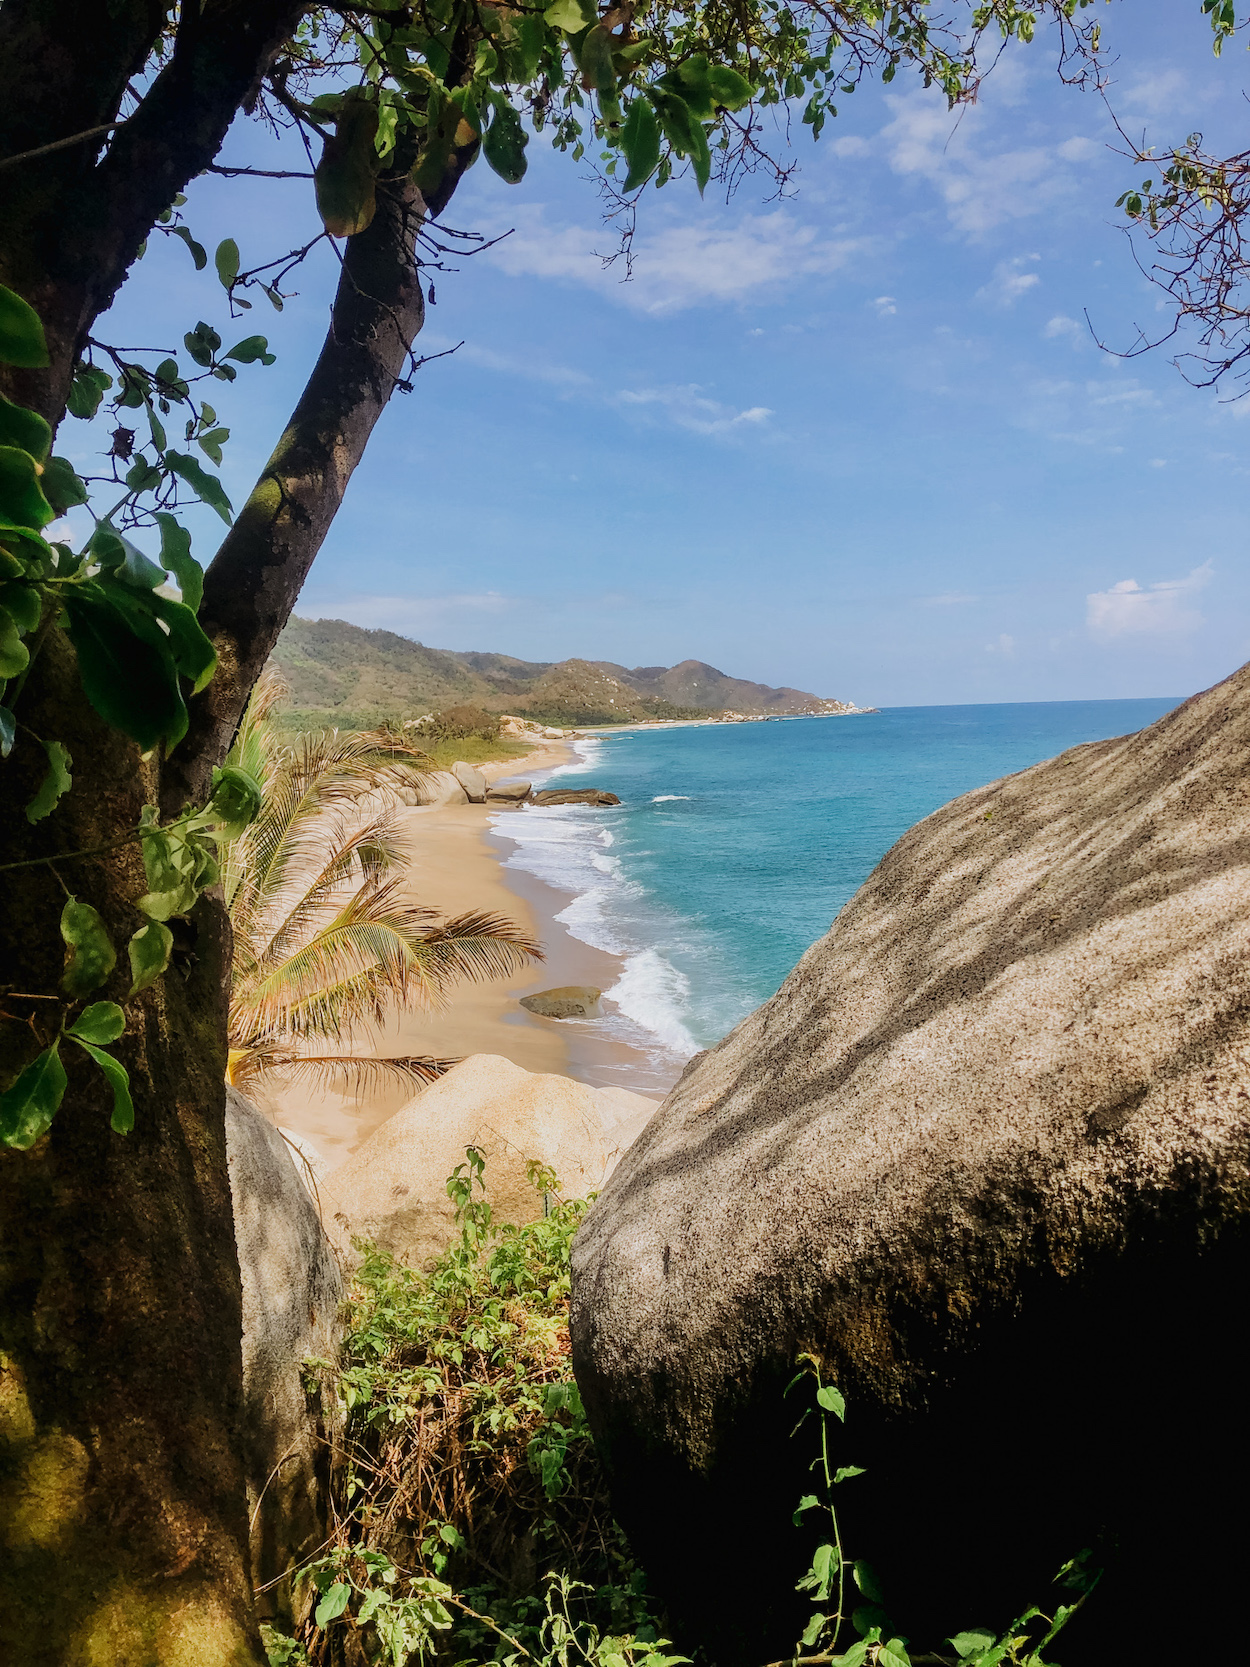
pixel 457 865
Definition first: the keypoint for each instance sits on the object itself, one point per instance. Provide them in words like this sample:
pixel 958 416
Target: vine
pixel 138 647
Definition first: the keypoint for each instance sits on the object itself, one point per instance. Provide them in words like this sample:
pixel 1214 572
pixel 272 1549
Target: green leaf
pixel 640 140
pixel 333 1603
pixel 8 731
pixel 729 89
pixel 14 655
pixel 813 1629
pixel 23 605
pixel 198 254
pixel 683 132
pixel 596 60
pixel 250 349
pixel 868 1620
pixel 832 1399
pixel 149 951
pixel 91 956
pixel 226 261
pixel 177 559
pixel 194 656
pixel 852 1657
pixel 87 390
pixel 847 1471
pixel 504 142
pixel 21 497
pixel 809 1502
pixel 866 1580
pixel 28 1107
pixel 975 1641
pixel 61 486
pixel 123 1118
pixel 142 476
pixel 571 15
pixel 21 334
pixel 57 781
pixel 206 487
pixel 893 1654
pixel 102 1022
pixel 211 443
pixel 344 180
pixel 236 798
pixel 131 682
pixel 24 429
pixel 201 343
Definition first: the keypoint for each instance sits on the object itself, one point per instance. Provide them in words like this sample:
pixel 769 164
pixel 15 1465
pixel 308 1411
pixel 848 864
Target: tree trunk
pixel 252 583
pixel 122 1525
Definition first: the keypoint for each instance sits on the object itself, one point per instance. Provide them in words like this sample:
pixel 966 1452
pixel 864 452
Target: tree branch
pixel 252 583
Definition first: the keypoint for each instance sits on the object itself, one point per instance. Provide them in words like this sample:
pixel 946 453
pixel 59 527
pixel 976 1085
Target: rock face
pixel 570 1001
pixel 472 780
pixel 292 1289
pixel 508 792
pixel 575 796
pixel 393 1189
pixel 987 1154
pixel 440 787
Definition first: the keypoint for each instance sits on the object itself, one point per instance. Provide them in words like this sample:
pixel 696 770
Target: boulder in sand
pixel 471 779
pixel 575 796
pixel 569 1001
pixel 986 1154
pixel 393 1189
pixel 508 792
pixel 292 1289
pixel 439 787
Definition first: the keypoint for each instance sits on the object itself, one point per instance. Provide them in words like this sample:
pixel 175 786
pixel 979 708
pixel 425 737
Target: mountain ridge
pixel 348 672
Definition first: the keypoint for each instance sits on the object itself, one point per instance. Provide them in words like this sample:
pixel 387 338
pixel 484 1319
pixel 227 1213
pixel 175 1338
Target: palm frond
pixel 345 1072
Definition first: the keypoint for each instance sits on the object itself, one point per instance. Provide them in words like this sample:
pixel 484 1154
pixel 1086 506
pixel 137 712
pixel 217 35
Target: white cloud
pixel 851 145
pixel 1160 608
pixel 1063 326
pixel 689 408
pixel 1151 95
pixel 980 187
pixel 677 266
pixel 948 599
pixel 1078 150
pixel 1158 462
pixel 886 306
pixel 1005 645
pixel 1010 281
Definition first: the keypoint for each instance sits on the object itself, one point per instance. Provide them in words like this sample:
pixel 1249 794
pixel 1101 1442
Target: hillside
pixel 350 674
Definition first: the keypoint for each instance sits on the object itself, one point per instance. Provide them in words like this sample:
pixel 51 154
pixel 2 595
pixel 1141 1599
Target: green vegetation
pixel 473 1519
pixel 322 936
pixel 473 1523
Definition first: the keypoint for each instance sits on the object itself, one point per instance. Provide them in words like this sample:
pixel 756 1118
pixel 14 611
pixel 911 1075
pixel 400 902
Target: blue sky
pixel 859 441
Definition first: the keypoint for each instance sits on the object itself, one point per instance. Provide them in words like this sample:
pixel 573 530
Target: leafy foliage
pixel 323 938
pixel 474 1519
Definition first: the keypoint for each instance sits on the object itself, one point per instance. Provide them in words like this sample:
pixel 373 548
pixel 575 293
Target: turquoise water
pixel 736 846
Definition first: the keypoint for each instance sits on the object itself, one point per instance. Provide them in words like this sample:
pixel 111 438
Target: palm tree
pixel 322 939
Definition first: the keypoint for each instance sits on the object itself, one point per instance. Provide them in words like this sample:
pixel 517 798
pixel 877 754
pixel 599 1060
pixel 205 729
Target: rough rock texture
pixel 292 1289
pixel 393 1188
pixel 472 780
pixel 575 796
pixel 987 1154
pixel 440 787
pixel 569 1001
pixel 509 792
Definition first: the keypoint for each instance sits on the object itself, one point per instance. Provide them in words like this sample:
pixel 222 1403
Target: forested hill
pixel 350 674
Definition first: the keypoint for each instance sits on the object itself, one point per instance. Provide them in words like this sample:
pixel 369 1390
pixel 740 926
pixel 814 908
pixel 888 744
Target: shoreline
pixel 457 863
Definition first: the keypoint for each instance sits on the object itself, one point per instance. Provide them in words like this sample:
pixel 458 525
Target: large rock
pixel 471 779
pixel 575 796
pixel 987 1154
pixel 292 1289
pixel 438 787
pixel 567 1001
pixel 508 792
pixel 393 1189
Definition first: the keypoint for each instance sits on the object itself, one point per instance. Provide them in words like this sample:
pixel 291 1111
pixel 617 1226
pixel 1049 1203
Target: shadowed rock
pixel 575 796
pixel 987 1154
pixel 569 1001
pixel 292 1289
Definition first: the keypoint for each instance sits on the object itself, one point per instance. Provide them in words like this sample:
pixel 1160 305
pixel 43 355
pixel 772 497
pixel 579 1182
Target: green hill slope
pixel 347 675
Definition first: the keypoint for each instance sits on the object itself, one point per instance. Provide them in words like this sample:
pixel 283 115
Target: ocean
pixel 735 846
